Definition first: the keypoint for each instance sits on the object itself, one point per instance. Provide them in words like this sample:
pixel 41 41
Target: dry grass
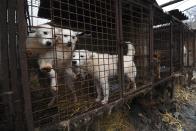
pixel 76 107
pixel 171 120
pixel 118 120
pixel 184 95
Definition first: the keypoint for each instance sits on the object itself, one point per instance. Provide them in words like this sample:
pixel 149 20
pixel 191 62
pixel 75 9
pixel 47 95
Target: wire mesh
pixel 83 56
pixel 188 42
pixel 77 81
pixel 74 67
pixel 177 46
pixel 162 43
pixel 136 30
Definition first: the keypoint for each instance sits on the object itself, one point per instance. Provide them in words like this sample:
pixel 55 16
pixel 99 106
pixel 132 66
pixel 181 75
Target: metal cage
pixel 136 28
pixel 98 19
pixel 189 46
pixel 86 58
pixel 162 41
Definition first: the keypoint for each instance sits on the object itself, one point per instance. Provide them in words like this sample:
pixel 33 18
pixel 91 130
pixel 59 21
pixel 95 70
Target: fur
pixel 102 66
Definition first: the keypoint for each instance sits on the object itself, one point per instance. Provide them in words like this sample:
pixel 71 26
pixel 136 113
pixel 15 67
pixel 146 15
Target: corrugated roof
pixel 178 14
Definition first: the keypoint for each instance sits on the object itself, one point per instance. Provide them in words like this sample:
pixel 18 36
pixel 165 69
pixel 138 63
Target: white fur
pixel 102 66
pixel 40 40
pixel 193 79
pixel 61 54
pixel 185 56
pixel 66 35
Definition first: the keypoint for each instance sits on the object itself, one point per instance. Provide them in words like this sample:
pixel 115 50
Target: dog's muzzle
pixel 48 43
pixel 46 69
pixel 69 44
pixel 74 62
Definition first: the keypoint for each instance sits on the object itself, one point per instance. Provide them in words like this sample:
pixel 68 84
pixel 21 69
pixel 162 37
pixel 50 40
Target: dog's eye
pixel 65 35
pixel 73 37
pixel 81 56
pixel 73 55
pixel 45 33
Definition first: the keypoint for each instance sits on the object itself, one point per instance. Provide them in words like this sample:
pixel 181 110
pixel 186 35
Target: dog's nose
pixel 46 69
pixel 48 43
pixel 69 44
pixel 74 62
pixel 29 53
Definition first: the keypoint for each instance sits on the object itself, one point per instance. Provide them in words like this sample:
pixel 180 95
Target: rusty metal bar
pixel 173 89
pixel 151 47
pixel 22 30
pixel 181 47
pixel 137 92
pixel 183 43
pixel 171 47
pixel 4 69
pixel 13 66
pixel 194 46
pixel 188 47
pixel 119 39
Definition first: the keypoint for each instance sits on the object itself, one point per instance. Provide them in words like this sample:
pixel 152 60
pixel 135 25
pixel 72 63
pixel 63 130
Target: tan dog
pixel 157 64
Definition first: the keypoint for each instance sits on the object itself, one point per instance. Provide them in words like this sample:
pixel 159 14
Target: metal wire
pixel 91 49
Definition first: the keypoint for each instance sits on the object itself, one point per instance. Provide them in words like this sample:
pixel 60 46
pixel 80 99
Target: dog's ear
pixel 91 54
pixel 78 33
pixel 85 34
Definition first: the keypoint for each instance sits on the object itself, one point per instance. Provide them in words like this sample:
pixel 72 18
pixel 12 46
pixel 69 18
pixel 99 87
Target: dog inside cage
pixel 162 44
pixel 136 28
pixel 68 62
pixel 73 58
pixel 78 62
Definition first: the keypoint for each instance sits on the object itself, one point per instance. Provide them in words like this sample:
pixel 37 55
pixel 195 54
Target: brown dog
pixel 157 64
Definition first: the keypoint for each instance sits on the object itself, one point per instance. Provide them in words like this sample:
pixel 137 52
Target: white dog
pixel 60 57
pixel 40 40
pixel 102 66
pixel 185 56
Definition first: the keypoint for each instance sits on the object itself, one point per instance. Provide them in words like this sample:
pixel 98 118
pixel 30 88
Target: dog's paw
pixel 104 102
